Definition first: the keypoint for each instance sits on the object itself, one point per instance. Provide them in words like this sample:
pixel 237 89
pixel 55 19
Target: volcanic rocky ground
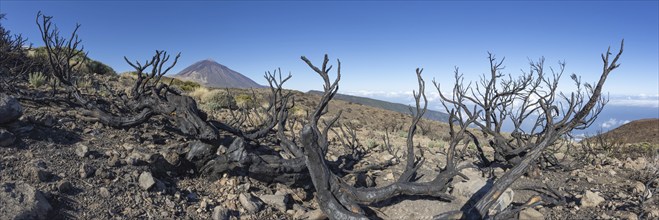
pixel 53 165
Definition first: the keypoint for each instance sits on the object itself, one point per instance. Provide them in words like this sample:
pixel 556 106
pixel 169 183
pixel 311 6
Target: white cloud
pixel 369 93
pixel 403 97
pixel 612 122
pixel 395 96
pixel 641 100
pixel 578 137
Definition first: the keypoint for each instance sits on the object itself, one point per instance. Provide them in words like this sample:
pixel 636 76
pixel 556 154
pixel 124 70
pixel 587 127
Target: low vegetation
pixel 37 79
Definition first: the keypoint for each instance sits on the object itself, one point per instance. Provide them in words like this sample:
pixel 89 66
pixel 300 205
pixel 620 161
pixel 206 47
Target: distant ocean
pixel 611 117
pixel 615 114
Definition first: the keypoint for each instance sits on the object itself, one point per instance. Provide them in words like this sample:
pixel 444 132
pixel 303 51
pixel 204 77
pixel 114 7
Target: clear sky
pixel 379 43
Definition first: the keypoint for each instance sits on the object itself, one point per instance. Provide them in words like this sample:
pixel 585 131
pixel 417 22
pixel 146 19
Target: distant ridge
pixel 396 107
pixel 212 74
pixel 639 131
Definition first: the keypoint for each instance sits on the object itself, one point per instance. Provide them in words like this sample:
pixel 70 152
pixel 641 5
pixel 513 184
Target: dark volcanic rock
pixel 200 153
pixel 86 170
pixel 64 186
pixel 10 109
pixel 6 138
pixel 39 174
pixel 250 203
pixel 220 213
pixel 22 201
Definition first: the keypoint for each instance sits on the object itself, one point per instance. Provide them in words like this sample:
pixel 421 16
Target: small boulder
pixel 133 159
pixel 469 187
pixel 65 186
pixel 498 172
pixel 637 164
pixel 104 192
pixel 386 157
pixel 250 203
pixel 638 188
pixel 192 197
pixel 82 150
pixel 10 109
pixel 146 180
pixel 530 214
pixel 477 186
pixel 39 174
pixel 277 201
pixel 389 176
pixel 159 166
pixel 220 213
pixel 6 138
pixel 200 153
pixel 114 161
pixel 86 170
pixel 591 199
pixel 104 173
pixel 314 215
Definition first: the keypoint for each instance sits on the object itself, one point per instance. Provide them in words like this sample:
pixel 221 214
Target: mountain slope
pixel 639 131
pixel 396 107
pixel 212 74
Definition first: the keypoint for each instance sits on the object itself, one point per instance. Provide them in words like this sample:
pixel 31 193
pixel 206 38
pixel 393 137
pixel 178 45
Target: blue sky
pixel 379 43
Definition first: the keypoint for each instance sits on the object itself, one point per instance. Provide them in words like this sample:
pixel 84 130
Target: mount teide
pixel 212 74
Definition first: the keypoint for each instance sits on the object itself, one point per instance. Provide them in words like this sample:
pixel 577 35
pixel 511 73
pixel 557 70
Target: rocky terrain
pixel 56 166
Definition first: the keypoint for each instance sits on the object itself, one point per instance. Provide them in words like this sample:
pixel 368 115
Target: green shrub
pixel 128 75
pixel 244 101
pixel 436 144
pixel 298 111
pixel 370 143
pixel 97 67
pixel 187 86
pixel 216 100
pixel 84 83
pixel 37 79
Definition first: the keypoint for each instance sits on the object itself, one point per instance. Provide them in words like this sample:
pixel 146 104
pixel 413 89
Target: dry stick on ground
pixel 553 119
pixel 386 144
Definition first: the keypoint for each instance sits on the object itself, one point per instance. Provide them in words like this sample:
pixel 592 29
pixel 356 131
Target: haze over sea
pixel 618 111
